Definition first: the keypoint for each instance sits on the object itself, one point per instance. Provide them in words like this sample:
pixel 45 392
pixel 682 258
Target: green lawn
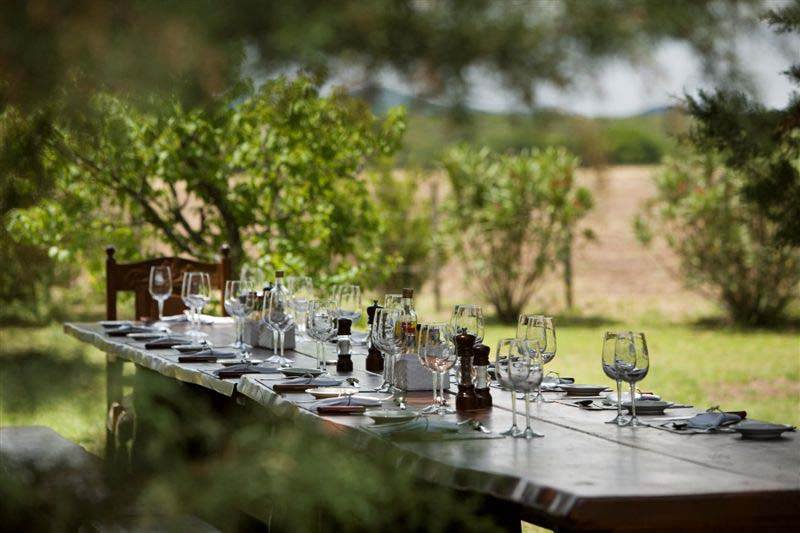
pixel 51 379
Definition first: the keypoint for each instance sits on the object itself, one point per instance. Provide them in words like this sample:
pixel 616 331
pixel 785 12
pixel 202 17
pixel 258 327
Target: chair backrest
pixel 135 277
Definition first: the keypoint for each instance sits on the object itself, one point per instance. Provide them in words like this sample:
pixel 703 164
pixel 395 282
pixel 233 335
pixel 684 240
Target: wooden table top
pixel 583 474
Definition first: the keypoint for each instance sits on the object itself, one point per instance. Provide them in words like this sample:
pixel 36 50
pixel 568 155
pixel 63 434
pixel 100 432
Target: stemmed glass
pixel 160 288
pixel 379 338
pixel 468 318
pixel 302 290
pixel 254 276
pixel 510 370
pixel 610 369
pixel 348 302
pixel 392 339
pixel 196 293
pixel 279 316
pixel 437 352
pixel 633 363
pixel 320 324
pixel 541 330
pixel 392 300
pixel 235 299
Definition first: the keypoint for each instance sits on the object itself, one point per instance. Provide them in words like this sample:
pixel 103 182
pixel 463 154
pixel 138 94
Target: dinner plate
pixel 331 392
pixel 573 389
pixel 299 372
pixel 146 335
pixel 753 430
pixel 386 416
pixel 648 407
pixel 115 323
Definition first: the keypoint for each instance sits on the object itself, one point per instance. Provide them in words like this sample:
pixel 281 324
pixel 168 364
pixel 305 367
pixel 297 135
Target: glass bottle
pixel 406 330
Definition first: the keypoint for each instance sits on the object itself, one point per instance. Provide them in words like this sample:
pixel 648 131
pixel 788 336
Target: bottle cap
pixel 408 293
pixel 371 311
pixel 464 344
pixel 279 273
pixel 344 326
pixel 480 355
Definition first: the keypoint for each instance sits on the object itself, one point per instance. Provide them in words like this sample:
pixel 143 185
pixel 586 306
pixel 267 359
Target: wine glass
pixel 302 290
pixel 234 301
pixel 532 381
pixel 392 339
pixel 196 293
pixel 539 328
pixel 633 363
pixel 379 338
pixel 437 352
pixel 348 302
pixel 279 316
pixel 320 325
pixel 253 303
pixel 160 288
pixel 610 369
pixel 392 300
pixel 510 370
pixel 468 318
pixel 253 276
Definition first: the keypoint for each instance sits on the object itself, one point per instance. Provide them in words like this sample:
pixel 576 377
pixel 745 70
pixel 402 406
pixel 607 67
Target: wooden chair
pixel 135 277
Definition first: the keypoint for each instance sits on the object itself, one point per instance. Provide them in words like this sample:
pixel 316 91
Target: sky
pixel 621 89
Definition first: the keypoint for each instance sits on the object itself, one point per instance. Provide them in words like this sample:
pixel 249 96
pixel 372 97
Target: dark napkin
pixel 123 330
pixel 237 371
pixel 209 355
pixel 166 342
pixel 423 428
pixel 711 420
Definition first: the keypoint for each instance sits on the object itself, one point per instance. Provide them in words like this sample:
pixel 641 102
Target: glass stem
pixel 527 410
pixel 633 403
pixel 275 348
pixel 280 339
pixel 619 400
pixel 514 409
pixel 160 310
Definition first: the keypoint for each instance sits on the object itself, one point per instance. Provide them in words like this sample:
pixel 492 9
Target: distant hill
pixel 639 139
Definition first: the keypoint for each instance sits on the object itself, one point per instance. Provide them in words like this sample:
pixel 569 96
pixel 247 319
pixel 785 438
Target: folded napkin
pixel 237 371
pixel 355 399
pixel 626 397
pixel 302 383
pixel 121 331
pixel 209 355
pixel 711 420
pixel 166 342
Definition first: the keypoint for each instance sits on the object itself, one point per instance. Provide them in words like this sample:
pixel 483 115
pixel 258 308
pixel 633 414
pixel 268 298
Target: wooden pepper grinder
pixel 374 362
pixel 465 399
pixel 344 361
pixel 480 361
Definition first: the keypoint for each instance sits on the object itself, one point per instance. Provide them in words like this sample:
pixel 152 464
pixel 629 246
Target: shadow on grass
pixel 32 379
pixel 787 325
pixel 588 321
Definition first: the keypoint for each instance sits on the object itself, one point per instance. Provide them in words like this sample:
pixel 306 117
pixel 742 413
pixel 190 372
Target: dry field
pixel 614 275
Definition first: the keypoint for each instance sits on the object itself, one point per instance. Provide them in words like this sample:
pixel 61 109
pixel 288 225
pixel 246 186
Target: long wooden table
pixel 583 475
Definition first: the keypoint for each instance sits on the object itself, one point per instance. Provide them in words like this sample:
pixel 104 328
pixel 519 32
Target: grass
pixel 51 379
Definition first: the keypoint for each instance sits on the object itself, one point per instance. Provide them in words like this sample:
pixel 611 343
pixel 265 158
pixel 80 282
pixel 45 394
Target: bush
pixel 513 215
pixel 727 246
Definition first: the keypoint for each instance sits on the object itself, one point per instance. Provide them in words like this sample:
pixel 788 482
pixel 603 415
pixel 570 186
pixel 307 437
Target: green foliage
pixel 512 214
pixel 409 241
pixel 726 245
pixel 276 172
pixel 763 144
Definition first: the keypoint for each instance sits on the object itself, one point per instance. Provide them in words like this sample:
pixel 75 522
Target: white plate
pixel 385 416
pixel 146 336
pixel 575 390
pixel 760 430
pixel 648 407
pixel 331 392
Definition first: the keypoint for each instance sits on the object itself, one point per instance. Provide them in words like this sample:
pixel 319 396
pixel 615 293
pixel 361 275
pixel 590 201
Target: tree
pixel 762 144
pixel 511 215
pixel 728 247
pixel 197 49
pixel 276 172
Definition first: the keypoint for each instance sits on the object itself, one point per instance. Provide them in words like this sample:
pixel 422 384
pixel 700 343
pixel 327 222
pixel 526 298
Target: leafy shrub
pixel 513 214
pixel 727 246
